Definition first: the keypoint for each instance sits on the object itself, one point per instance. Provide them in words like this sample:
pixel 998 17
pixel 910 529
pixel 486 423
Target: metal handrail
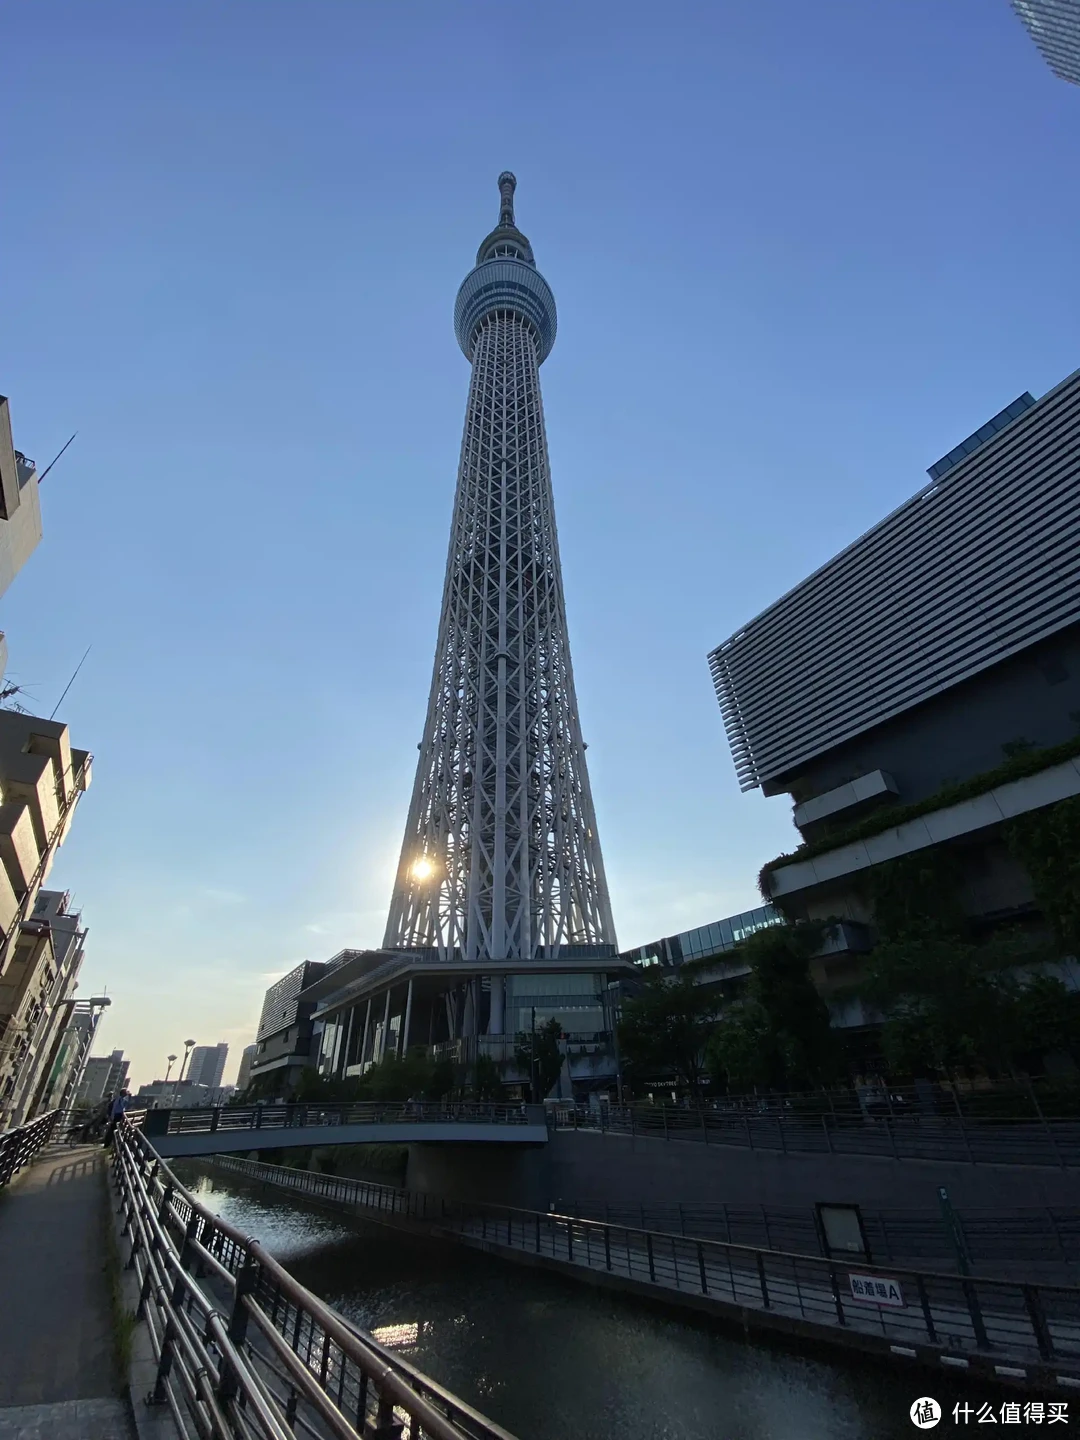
pixel 1033 1326
pixel 224 1118
pixel 19 1146
pixel 296 1362
pixel 986 1140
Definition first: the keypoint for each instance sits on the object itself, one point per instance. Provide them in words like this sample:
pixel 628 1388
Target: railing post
pixel 185 1258
pixel 763 1282
pixel 971 1294
pixel 1043 1338
pixel 828 1137
pixel 928 1317
pixel 649 1252
pixel 663 1111
pixel 704 1127
pixel 701 1268
pixel 157 1396
pixel 386 1427
pixel 607 1247
pixel 841 1318
pixel 246 1279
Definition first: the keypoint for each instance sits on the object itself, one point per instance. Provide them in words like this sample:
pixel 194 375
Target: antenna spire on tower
pixel 507 186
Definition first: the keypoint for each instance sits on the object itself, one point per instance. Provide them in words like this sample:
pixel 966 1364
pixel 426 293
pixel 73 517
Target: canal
pixel 553 1360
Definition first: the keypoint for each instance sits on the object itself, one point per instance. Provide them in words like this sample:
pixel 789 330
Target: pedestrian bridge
pixel 236 1129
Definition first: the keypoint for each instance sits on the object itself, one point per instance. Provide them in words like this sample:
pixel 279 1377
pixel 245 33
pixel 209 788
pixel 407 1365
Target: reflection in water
pixel 550 1359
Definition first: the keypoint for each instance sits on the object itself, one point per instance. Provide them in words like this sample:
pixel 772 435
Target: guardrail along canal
pixel 550 1359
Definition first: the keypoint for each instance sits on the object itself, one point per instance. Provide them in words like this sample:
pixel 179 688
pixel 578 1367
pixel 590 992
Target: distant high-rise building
pixel 243 1075
pixel 208 1065
pixel 1054 25
pixel 283 1041
pixel 104 1076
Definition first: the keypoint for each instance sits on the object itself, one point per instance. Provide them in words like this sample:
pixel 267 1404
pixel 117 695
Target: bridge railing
pixel 999 1140
pixel 245 1352
pixel 1030 1235
pixel 19 1146
pixel 1003 1323
pixel 212 1120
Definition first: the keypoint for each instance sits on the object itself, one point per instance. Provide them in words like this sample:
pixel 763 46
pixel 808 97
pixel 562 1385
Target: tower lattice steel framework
pixel 501 858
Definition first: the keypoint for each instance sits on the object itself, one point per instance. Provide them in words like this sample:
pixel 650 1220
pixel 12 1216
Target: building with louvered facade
pixel 1054 25
pixel 922 688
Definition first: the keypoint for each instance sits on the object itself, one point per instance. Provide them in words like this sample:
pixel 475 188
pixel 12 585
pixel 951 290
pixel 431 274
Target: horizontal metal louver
pixel 973 569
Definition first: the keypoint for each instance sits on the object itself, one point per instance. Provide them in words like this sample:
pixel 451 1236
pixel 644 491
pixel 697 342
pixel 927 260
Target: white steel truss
pixel 501 858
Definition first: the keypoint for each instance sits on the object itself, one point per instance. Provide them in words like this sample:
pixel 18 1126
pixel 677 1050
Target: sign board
pixel 877 1290
pixel 841 1231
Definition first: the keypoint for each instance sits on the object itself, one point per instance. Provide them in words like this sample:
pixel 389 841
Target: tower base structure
pixel 378 1004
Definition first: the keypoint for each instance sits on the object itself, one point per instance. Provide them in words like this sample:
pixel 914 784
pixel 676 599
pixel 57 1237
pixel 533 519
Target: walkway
pixel 58 1378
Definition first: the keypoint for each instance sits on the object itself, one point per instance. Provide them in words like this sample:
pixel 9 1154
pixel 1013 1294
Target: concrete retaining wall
pixel 587 1165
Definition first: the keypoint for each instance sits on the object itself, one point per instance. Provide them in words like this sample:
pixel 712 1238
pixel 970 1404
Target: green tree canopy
pixel 778 1034
pixel 538 1054
pixel 667 1027
pixel 487 1081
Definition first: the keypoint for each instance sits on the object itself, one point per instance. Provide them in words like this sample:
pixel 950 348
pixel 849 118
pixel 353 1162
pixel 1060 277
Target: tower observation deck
pixel 501 859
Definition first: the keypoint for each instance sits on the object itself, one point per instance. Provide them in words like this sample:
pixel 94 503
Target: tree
pixel 407 1078
pixel 1047 1018
pixel 538 1054
pixel 779 1034
pixel 948 1001
pixel 667 1027
pixel 487 1081
pixel 441 1082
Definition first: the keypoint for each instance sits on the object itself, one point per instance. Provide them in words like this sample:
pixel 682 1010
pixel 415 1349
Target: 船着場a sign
pixel 877 1290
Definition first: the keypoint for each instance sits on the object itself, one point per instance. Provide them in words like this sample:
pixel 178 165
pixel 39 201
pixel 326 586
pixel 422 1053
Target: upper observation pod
pixel 506 279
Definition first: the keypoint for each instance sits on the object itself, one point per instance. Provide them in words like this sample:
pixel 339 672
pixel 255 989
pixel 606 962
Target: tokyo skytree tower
pixel 501 859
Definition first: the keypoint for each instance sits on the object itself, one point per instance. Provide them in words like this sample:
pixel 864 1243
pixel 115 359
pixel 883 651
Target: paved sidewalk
pixel 56 1330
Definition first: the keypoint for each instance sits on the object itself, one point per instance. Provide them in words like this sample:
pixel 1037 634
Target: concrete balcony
pixel 983 813
pixel 34 780
pixel 19 853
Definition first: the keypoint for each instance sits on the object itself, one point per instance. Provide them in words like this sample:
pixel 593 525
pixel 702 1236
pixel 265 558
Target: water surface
pixel 550 1359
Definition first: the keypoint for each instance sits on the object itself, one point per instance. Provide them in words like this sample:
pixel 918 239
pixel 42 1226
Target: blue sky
pixel 799 251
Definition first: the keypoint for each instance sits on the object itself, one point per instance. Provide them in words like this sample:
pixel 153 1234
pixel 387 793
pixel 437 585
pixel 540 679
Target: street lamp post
pixel 188 1047
pixel 613 989
pixel 168 1071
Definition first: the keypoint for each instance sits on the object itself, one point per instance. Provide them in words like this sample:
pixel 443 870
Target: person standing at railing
pixel 116 1114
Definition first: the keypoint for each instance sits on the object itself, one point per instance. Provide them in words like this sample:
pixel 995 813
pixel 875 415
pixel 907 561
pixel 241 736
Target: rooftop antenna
pixel 53 461
pixel 71 682
pixel 7 689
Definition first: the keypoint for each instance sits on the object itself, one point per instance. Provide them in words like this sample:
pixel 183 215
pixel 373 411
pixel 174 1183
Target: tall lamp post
pixel 614 990
pixel 172 1061
pixel 188 1047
